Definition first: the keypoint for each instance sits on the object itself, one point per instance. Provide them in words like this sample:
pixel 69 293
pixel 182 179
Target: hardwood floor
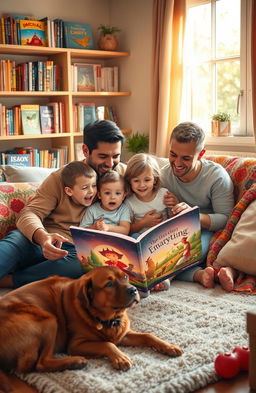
pixel 239 384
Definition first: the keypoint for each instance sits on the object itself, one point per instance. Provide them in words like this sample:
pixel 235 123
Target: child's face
pixel 143 184
pixel 112 195
pixel 84 191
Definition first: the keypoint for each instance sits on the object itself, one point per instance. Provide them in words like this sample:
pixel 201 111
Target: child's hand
pixel 170 200
pixel 101 225
pixel 152 218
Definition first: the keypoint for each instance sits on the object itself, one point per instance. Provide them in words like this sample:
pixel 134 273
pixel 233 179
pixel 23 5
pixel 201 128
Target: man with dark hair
pixel 42 246
pixel 102 146
pixel 194 181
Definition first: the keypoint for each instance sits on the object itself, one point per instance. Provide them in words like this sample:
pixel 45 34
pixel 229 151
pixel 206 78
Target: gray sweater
pixel 211 191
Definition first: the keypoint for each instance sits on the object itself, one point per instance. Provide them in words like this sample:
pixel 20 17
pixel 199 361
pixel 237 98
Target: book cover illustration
pixel 47 119
pixel 30 119
pixel 85 77
pixel 78 35
pixel 18 159
pixel 159 253
pixel 32 32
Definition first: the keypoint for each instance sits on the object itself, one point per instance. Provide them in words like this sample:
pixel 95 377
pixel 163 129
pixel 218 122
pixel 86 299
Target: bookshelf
pixel 65 57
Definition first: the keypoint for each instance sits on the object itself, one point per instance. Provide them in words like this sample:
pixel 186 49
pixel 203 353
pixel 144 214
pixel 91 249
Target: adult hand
pixel 51 246
pixel 180 207
pixel 50 243
pixel 152 218
pixel 170 200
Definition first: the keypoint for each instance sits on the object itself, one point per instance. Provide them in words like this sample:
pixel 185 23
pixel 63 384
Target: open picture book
pixel 157 254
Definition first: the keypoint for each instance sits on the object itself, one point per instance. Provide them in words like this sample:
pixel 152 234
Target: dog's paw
pixel 77 363
pixel 171 349
pixel 122 362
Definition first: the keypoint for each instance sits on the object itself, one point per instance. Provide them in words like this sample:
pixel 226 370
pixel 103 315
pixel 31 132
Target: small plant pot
pixel 108 42
pixel 221 128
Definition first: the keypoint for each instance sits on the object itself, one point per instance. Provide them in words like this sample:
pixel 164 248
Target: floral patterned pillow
pixel 13 197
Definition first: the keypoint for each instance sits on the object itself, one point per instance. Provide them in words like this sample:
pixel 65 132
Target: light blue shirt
pixel 211 191
pixel 112 217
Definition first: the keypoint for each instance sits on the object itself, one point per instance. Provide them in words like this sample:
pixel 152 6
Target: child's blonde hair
pixel 137 164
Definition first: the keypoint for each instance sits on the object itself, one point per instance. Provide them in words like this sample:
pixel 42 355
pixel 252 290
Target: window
pixel 216 63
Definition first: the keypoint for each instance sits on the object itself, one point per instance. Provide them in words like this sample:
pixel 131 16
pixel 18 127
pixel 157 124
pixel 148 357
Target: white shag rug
pixel 204 322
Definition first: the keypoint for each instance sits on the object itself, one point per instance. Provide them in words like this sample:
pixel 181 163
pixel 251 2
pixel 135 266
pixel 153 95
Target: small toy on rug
pixel 228 365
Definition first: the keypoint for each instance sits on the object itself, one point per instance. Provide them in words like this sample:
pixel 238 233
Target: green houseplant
pixel 221 124
pixel 137 143
pixel 108 40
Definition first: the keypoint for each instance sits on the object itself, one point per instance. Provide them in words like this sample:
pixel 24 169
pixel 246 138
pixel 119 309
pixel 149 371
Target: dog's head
pixel 107 292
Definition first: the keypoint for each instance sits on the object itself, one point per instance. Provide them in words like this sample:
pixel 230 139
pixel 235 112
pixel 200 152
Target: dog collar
pixel 110 323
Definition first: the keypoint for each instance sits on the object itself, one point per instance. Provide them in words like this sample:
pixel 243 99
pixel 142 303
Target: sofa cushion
pixel 240 251
pixel 242 171
pixel 13 197
pixel 20 174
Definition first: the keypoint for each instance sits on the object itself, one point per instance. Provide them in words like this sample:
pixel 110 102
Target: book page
pixel 171 247
pixel 97 248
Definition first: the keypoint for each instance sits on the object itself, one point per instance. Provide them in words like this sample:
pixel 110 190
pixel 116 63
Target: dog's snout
pixel 131 291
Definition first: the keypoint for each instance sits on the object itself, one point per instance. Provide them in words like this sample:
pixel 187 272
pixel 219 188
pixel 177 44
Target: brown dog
pixel 83 317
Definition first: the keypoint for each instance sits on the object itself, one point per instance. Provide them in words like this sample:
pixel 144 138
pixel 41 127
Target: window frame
pixel 244 135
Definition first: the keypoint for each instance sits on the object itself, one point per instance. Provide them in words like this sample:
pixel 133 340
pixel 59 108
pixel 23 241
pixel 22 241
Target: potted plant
pixel 108 40
pixel 137 143
pixel 221 124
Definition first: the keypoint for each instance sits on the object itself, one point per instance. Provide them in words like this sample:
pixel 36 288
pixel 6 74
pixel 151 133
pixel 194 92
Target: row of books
pixel 94 77
pixel 28 156
pixel 27 30
pixel 85 113
pixel 32 119
pixel 29 76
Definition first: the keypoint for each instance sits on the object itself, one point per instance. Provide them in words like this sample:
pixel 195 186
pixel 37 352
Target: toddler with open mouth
pixel 109 213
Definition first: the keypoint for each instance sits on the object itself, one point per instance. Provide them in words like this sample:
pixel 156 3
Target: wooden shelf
pixel 64 57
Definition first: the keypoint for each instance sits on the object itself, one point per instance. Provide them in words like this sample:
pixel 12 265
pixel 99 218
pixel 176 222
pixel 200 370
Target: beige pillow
pixel 20 174
pixel 240 251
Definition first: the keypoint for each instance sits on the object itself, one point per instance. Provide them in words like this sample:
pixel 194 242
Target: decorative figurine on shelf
pixel 108 40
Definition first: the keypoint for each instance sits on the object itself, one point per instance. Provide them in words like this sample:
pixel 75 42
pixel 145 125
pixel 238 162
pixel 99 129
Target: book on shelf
pixel 32 32
pixel 157 254
pixel 78 35
pixel 84 77
pixel 30 119
pixel 86 114
pixel 47 119
pixel 79 155
pixel 18 159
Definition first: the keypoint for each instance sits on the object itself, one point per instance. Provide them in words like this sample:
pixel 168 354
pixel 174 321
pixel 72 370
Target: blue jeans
pixel 27 263
pixel 187 275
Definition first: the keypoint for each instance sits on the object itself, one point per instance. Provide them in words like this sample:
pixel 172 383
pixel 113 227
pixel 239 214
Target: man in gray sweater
pixel 194 181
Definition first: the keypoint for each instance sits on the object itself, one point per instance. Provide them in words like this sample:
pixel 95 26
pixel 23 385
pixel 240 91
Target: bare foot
pixel 162 286
pixel 205 277
pixel 226 277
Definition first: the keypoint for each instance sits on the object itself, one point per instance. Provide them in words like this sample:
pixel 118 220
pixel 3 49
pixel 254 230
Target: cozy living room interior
pixel 153 81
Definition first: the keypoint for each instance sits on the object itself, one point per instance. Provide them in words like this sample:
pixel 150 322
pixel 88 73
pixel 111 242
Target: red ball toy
pixel 243 354
pixel 227 365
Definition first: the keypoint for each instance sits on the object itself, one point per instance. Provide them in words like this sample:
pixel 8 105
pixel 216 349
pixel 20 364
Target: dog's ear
pixel 85 293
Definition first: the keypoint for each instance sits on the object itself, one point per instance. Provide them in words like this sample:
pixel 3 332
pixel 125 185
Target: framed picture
pixel 85 77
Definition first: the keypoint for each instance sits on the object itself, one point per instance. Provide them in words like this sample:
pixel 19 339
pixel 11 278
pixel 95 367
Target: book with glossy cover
pixel 18 159
pixel 32 32
pixel 85 77
pixel 30 119
pixel 78 35
pixel 47 119
pixel 157 254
